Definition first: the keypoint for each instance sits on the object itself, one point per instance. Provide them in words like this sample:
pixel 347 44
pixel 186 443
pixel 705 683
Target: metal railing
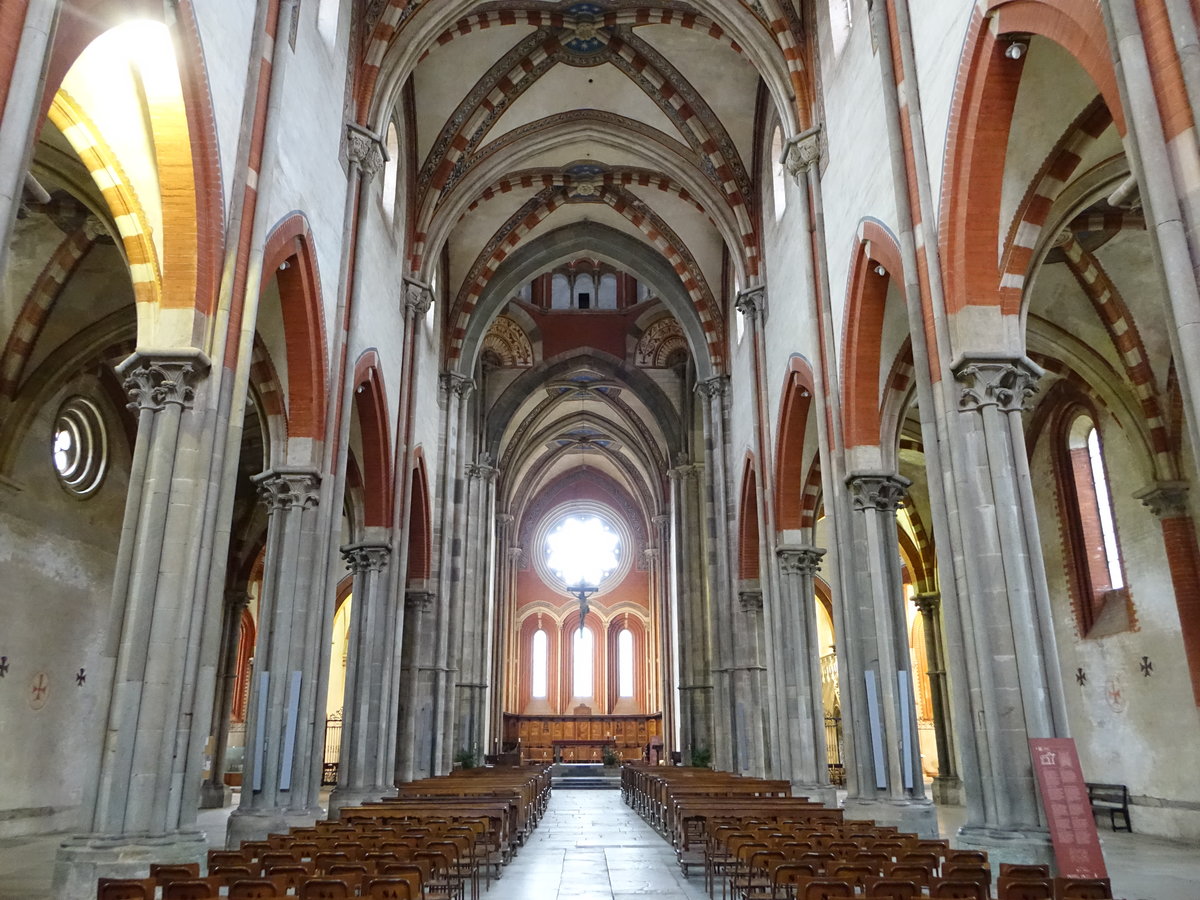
pixel 333 749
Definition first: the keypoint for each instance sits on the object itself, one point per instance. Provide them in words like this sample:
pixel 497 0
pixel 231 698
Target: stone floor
pixel 590 846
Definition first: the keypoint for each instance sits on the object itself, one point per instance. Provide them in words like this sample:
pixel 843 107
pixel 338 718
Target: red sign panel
pixel 1065 799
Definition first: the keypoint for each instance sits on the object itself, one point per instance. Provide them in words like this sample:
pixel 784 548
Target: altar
pixel 544 739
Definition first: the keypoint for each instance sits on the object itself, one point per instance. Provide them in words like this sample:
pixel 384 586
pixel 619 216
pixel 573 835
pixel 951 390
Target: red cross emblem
pixel 40 687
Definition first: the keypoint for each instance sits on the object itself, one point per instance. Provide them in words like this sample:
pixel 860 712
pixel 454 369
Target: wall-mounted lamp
pixel 880 271
pixel 1016 49
pixel 285 265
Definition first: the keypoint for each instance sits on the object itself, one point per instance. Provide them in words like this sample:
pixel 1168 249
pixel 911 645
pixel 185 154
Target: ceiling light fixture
pixel 1016 49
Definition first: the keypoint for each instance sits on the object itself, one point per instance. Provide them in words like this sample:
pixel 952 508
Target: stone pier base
pixel 1029 847
pixel 81 861
pixel 917 816
pixel 255 825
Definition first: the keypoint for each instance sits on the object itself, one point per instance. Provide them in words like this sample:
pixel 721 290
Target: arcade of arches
pixel 850 346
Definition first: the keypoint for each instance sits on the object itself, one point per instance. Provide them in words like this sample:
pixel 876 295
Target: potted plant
pixel 701 757
pixel 464 759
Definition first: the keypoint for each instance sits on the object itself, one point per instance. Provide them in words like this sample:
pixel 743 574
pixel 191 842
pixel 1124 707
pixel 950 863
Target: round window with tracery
pixel 79 451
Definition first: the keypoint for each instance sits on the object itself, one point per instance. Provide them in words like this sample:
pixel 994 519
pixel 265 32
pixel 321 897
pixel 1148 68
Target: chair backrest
pixel 165 872
pixel 1020 870
pixel 966 856
pixel 192 889
pixel 1083 888
pixel 1025 888
pixel 827 889
pixel 226 858
pixel 919 873
pixel 126 889
pixel 256 889
pixel 966 871
pixel 893 889
pixel 394 887
pixel 856 872
pixel 959 890
pixel 325 889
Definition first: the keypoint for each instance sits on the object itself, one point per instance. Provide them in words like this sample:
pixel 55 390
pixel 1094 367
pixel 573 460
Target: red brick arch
pixel 291 242
pixel 370 405
pixel 794 409
pixel 980 122
pixel 867 302
pixel 420 523
pixel 748 537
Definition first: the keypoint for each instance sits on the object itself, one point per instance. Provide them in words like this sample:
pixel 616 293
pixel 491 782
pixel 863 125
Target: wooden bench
pixel 1112 799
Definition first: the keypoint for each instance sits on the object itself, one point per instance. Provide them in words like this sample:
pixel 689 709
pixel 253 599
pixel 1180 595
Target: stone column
pixel 278 790
pixel 947 786
pixel 692 636
pixel 889 786
pixel 455 389
pixel 473 657
pixel 363 772
pixel 416 700
pixel 502 630
pixel 800 679
pixel 1013 683
pixel 136 814
pixel 748 687
pixel 1168 502
pixel 662 676
pixel 713 522
pixel 214 793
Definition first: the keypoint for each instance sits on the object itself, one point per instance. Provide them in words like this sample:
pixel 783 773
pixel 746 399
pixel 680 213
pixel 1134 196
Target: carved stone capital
pixel 505 520
pixel 365 150
pixel 660 522
pixel 281 489
pixel 483 469
pixel 154 379
pixel 751 303
pixel 651 555
pixel 236 601
pixel 1166 499
pixel 717 386
pixel 877 491
pixel 1004 382
pixel 417 298
pixel 515 554
pixel 454 383
pixel 363 558
pixel 419 601
pixel 802 561
pixel 684 473
pixel 751 601
pixel 803 153
pixel 927 604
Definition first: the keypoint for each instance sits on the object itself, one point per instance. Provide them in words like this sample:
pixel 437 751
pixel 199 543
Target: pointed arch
pixel 420 524
pixel 290 257
pixel 980 124
pixel 794 409
pixel 865 309
pixel 748 534
pixel 370 404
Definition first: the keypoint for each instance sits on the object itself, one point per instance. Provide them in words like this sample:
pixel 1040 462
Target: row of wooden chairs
pixel 428 851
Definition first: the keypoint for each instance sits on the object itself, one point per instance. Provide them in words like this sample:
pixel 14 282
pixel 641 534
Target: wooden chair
pixel 192 889
pixel 1025 888
pixel 958 890
pixel 790 878
pixel 966 856
pixel 893 889
pixel 1016 870
pixel 827 889
pixel 854 872
pixel 967 871
pixel 126 889
pixel 164 872
pixel 393 887
pixel 325 889
pixel 292 875
pixel 226 858
pixel 256 889
pixel 1082 889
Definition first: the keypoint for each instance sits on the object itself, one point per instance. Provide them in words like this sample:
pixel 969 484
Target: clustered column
pixel 364 772
pixel 1012 682
pixel 947 786
pixel 800 678
pixel 416 701
pixel 888 785
pixel 691 616
pixel 215 794
pixel 280 783
pixel 747 677
pixel 138 812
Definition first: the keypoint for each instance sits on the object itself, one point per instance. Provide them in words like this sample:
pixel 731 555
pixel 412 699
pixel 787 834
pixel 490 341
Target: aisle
pixel 590 846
